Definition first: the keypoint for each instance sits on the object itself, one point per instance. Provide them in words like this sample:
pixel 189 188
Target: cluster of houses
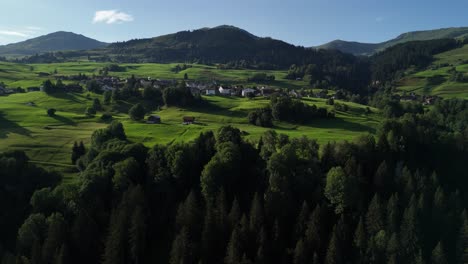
pixel 6 91
pixel 214 89
pixel 412 97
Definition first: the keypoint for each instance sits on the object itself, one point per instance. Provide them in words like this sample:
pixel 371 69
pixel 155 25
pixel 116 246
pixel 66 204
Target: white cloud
pixel 111 17
pixel 13 33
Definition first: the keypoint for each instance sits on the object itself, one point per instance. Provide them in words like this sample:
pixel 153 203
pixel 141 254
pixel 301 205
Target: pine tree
pixel 62 256
pixel 75 155
pixel 409 230
pixel 374 216
pixel 234 214
pixel 181 251
pixel 313 237
pixel 382 178
pixel 360 239
pixel 462 239
pixel 209 237
pixel 114 252
pixel 234 248
pixel 256 214
pixel 438 255
pixel 393 214
pixel 333 252
pixel 137 233
pixel 315 259
pixel 300 255
pixel 55 237
pixel 418 258
pixel 301 222
pixel 189 215
pixel 393 248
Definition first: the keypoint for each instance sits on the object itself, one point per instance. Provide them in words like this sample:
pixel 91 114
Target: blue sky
pixel 301 22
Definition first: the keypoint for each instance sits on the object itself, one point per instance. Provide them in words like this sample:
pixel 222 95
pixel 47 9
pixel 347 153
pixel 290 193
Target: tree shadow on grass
pixel 206 107
pixel 341 123
pixel 67 96
pixel 323 123
pixel 7 126
pixel 65 120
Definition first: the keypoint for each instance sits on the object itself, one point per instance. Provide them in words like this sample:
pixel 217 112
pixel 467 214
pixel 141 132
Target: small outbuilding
pixel 187 120
pixel 154 119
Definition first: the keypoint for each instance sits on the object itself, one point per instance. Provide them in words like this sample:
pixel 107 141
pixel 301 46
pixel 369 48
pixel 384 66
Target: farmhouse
pixel 106 88
pixel 295 94
pixel 224 91
pixel 154 119
pixel 187 120
pixel 248 91
pixel 266 91
pixel 210 91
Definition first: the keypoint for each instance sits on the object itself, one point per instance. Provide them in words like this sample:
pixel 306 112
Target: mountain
pixel 58 41
pixel 352 47
pixel 358 48
pixel 220 44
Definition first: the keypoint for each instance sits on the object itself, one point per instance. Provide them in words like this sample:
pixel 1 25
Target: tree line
pixel 222 199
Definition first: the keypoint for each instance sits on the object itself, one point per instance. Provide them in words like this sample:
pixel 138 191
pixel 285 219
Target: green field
pixel 417 82
pixel 48 140
pixel 27 75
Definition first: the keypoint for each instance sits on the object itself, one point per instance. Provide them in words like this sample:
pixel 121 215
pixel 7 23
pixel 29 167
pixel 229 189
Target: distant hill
pixel 358 48
pixel 211 45
pixel 58 41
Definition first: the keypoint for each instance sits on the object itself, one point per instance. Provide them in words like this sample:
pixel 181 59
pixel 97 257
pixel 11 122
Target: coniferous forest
pixel 398 197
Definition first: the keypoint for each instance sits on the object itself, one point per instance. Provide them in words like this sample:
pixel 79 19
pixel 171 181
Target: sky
pixel 300 22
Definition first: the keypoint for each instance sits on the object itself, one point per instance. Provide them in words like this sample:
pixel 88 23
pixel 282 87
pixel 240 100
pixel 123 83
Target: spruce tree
pixel 301 221
pixel 393 215
pixel 300 254
pixel 360 239
pixel 409 230
pixel 313 238
pixel 55 236
pixel 181 251
pixel 438 255
pixel 234 215
pixel 333 252
pixel 234 248
pixel 114 252
pixel 137 234
pixel 374 216
pixel 256 214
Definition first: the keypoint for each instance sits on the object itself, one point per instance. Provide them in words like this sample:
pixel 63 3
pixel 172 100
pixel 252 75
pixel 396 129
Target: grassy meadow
pixel 417 81
pixel 48 140
pixel 27 75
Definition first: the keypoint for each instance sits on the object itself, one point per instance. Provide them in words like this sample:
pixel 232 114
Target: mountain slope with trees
pixel 358 48
pixel 58 41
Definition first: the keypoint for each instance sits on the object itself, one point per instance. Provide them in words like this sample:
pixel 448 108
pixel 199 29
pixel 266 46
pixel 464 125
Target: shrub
pixel 51 112
pixel 137 112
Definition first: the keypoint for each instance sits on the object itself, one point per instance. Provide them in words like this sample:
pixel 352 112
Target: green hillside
pixel 58 41
pixel 27 75
pixel 48 140
pixel 358 48
pixel 438 78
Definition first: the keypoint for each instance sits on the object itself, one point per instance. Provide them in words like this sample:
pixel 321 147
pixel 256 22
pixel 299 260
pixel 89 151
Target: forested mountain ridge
pixel 57 41
pixel 221 44
pixel 359 48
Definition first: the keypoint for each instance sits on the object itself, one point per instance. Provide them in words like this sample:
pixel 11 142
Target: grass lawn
pixel 48 140
pixel 27 75
pixel 417 82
